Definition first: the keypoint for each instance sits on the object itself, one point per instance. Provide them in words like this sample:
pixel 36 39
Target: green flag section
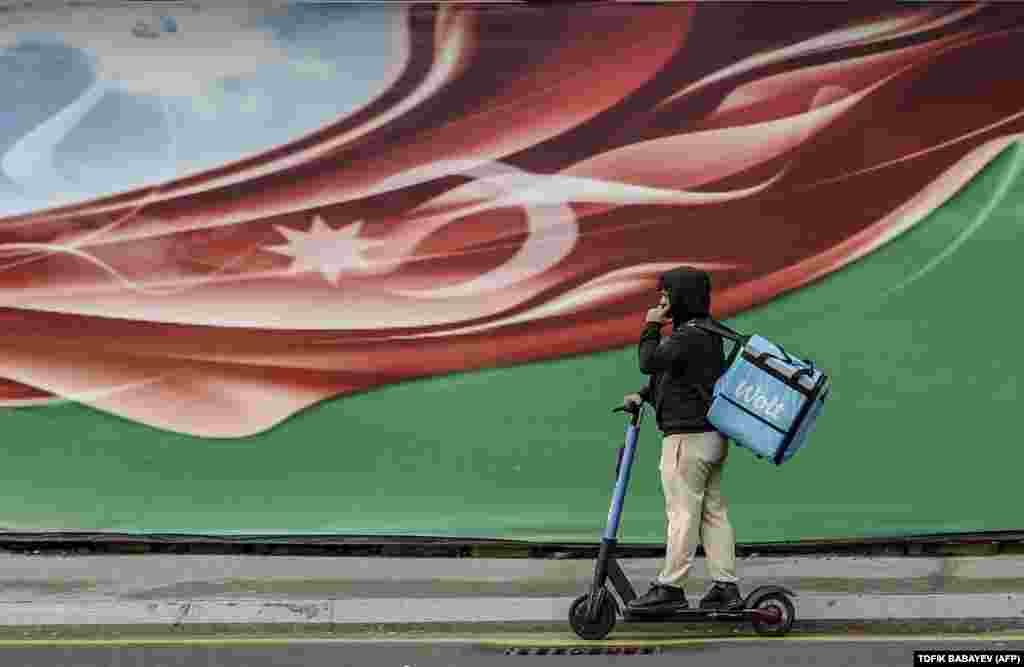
pixel 919 436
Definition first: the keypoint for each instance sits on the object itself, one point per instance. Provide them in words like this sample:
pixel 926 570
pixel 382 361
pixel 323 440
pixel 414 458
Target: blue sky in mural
pixel 110 99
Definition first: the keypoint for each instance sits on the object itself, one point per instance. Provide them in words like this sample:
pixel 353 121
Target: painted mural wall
pixel 381 269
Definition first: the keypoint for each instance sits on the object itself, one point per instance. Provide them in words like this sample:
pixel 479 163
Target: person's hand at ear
pixel 659 314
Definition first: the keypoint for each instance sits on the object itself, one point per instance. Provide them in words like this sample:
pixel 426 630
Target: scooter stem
pixel 605 558
pixel 611 530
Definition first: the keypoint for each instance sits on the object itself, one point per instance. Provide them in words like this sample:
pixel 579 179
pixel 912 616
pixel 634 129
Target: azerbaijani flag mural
pixel 379 269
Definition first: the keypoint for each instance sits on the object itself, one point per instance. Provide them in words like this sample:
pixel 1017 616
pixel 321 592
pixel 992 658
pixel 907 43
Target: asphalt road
pixel 832 651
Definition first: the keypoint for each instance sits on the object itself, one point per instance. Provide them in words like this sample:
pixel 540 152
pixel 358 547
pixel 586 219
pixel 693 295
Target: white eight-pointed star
pixel 329 251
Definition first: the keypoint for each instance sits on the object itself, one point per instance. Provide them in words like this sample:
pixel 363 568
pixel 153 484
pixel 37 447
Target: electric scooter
pixel 593 615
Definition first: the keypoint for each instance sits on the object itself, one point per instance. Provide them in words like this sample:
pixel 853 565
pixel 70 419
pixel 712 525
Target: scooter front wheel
pixel 602 624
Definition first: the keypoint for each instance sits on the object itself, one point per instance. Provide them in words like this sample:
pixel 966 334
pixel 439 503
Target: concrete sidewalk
pixel 182 590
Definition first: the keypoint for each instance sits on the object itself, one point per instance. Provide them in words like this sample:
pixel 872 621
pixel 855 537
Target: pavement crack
pixel 309 611
pixel 182 614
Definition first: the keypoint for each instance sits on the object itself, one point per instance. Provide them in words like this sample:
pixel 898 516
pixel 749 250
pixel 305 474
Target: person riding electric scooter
pixel 683 368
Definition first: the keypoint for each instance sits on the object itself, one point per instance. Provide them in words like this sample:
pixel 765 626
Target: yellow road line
pixel 502 642
pixel 155 641
pixel 647 642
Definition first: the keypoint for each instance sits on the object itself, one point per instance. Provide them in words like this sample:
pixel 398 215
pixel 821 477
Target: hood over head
pixel 689 293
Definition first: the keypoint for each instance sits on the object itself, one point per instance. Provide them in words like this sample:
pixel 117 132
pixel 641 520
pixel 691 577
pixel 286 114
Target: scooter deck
pixel 688 615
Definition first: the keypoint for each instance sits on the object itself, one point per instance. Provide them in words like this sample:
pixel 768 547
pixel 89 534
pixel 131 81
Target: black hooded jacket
pixel 688 357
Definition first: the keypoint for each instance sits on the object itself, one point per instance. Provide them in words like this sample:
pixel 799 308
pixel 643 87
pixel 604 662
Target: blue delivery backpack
pixel 767 400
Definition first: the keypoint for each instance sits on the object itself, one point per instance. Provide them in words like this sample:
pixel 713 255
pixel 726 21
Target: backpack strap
pixel 719 329
pixel 716 328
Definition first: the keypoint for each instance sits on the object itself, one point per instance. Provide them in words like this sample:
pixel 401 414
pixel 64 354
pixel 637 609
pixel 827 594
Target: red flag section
pixel 511 198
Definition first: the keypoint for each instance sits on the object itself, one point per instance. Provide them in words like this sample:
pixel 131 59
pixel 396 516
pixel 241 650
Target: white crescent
pixel 552 229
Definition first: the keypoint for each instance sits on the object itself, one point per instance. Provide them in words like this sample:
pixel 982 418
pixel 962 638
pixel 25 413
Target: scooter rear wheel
pixel 601 626
pixel 784 611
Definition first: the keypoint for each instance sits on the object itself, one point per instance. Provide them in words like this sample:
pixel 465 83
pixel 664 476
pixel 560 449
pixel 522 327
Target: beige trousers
pixel 691 478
